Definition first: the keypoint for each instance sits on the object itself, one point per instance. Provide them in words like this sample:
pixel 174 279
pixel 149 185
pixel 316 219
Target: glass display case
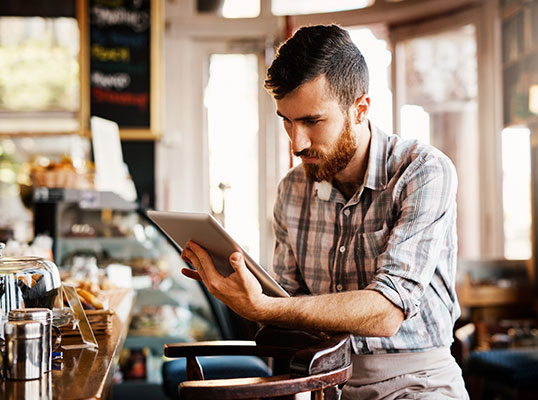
pixel 102 228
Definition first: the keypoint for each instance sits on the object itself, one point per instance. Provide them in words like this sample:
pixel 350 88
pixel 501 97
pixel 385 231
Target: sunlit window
pixel 516 192
pixel 440 107
pixel 231 99
pixel 415 123
pixel 378 58
pixel 295 7
pixel 229 8
pixel 39 74
pixel 241 8
pixel 38 64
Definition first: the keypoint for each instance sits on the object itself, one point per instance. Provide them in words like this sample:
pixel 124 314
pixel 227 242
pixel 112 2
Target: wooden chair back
pixel 301 362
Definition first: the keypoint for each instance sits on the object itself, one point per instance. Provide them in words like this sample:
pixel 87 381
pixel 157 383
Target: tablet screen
pixel 207 232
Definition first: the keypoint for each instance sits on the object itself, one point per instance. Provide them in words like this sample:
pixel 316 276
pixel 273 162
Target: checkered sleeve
pixel 425 197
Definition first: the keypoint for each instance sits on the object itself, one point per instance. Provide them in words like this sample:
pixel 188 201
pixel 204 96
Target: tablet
pixel 207 232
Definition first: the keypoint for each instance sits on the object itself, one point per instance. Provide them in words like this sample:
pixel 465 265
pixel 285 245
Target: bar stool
pixel 301 362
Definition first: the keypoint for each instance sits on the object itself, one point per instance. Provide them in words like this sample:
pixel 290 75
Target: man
pixel 365 230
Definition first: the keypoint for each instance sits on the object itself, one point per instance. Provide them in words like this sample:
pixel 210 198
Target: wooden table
pixel 85 373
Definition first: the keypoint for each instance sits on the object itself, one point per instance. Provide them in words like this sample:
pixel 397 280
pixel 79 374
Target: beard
pixel 334 161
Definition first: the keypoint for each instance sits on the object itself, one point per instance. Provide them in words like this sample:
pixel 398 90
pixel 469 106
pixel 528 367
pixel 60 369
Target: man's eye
pixel 311 121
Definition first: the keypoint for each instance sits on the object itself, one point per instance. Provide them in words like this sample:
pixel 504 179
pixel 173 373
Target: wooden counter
pixel 85 373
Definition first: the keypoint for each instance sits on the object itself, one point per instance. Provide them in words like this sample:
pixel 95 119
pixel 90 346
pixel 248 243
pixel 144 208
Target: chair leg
pixel 317 395
pixel 332 393
pixel 194 369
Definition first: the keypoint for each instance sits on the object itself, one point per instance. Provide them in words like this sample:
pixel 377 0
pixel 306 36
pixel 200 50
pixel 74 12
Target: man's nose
pixel 299 138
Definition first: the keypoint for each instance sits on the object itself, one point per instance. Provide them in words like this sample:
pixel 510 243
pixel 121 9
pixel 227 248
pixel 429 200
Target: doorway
pixel 232 80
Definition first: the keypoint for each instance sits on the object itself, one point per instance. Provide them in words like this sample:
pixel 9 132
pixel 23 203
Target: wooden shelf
pixel 489 295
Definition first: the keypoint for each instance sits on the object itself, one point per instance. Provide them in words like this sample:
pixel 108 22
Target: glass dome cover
pixel 27 282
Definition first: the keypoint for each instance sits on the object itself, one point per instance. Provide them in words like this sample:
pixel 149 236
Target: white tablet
pixel 207 232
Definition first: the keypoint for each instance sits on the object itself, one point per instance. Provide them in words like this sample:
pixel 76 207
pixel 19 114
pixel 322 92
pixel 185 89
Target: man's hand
pixel 240 291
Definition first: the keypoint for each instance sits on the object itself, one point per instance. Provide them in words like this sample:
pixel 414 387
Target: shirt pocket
pixel 372 244
pixel 369 246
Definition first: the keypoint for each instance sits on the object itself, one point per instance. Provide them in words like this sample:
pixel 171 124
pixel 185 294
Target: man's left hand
pixel 240 290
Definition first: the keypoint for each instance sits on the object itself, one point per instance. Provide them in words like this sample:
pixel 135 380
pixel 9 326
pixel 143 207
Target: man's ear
pixel 361 106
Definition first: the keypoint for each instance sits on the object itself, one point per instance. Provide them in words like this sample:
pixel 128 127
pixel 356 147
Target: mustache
pixel 308 153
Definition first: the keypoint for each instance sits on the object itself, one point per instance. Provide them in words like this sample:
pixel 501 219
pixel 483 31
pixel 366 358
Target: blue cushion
pixel 513 366
pixel 221 367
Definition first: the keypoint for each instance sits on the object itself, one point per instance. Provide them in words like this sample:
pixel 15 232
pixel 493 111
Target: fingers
pixel 237 262
pixel 200 252
pixel 189 273
pixel 200 260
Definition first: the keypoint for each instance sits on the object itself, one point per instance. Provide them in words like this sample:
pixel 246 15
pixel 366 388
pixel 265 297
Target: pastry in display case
pixel 61 174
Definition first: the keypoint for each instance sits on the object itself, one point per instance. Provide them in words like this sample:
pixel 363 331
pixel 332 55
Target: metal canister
pixel 24 350
pixel 43 315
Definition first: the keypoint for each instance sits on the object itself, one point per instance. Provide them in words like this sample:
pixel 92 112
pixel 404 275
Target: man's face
pixel 335 160
pixel 319 131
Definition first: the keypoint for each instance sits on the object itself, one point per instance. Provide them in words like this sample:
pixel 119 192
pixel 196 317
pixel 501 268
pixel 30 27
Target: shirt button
pixel 342 249
pixel 339 288
pixel 347 212
pixel 360 345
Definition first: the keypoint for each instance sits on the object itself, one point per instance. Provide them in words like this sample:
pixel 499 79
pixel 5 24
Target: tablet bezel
pixel 206 231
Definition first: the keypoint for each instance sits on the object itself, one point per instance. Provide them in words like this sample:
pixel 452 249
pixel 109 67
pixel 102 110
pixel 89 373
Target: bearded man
pixel 365 230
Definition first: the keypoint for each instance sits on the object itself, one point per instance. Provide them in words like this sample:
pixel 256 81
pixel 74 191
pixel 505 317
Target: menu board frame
pixel 153 131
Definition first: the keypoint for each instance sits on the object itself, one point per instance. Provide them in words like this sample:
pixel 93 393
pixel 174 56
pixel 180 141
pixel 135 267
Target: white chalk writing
pixel 137 20
pixel 117 81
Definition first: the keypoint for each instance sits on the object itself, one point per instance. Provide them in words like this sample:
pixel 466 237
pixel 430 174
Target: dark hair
pixel 316 50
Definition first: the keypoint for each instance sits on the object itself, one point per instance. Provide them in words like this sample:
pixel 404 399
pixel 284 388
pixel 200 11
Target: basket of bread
pixel 61 174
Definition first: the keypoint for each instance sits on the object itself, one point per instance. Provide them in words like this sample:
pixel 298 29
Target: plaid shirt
pixel 396 235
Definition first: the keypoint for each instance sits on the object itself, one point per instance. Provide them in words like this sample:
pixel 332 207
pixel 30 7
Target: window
pixel 241 8
pixel 286 7
pixel 231 100
pixel 229 8
pixel 516 166
pixel 378 58
pixel 439 84
pixel 39 74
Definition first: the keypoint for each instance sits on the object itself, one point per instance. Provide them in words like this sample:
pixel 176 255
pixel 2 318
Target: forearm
pixel 361 312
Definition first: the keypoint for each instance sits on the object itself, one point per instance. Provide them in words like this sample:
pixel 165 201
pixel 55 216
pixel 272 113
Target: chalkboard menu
pixel 120 60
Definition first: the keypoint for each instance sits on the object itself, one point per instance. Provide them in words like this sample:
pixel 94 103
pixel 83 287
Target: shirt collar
pixel 376 172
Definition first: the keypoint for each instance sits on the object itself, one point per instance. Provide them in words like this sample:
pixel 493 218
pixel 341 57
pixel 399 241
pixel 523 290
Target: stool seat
pixel 217 367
